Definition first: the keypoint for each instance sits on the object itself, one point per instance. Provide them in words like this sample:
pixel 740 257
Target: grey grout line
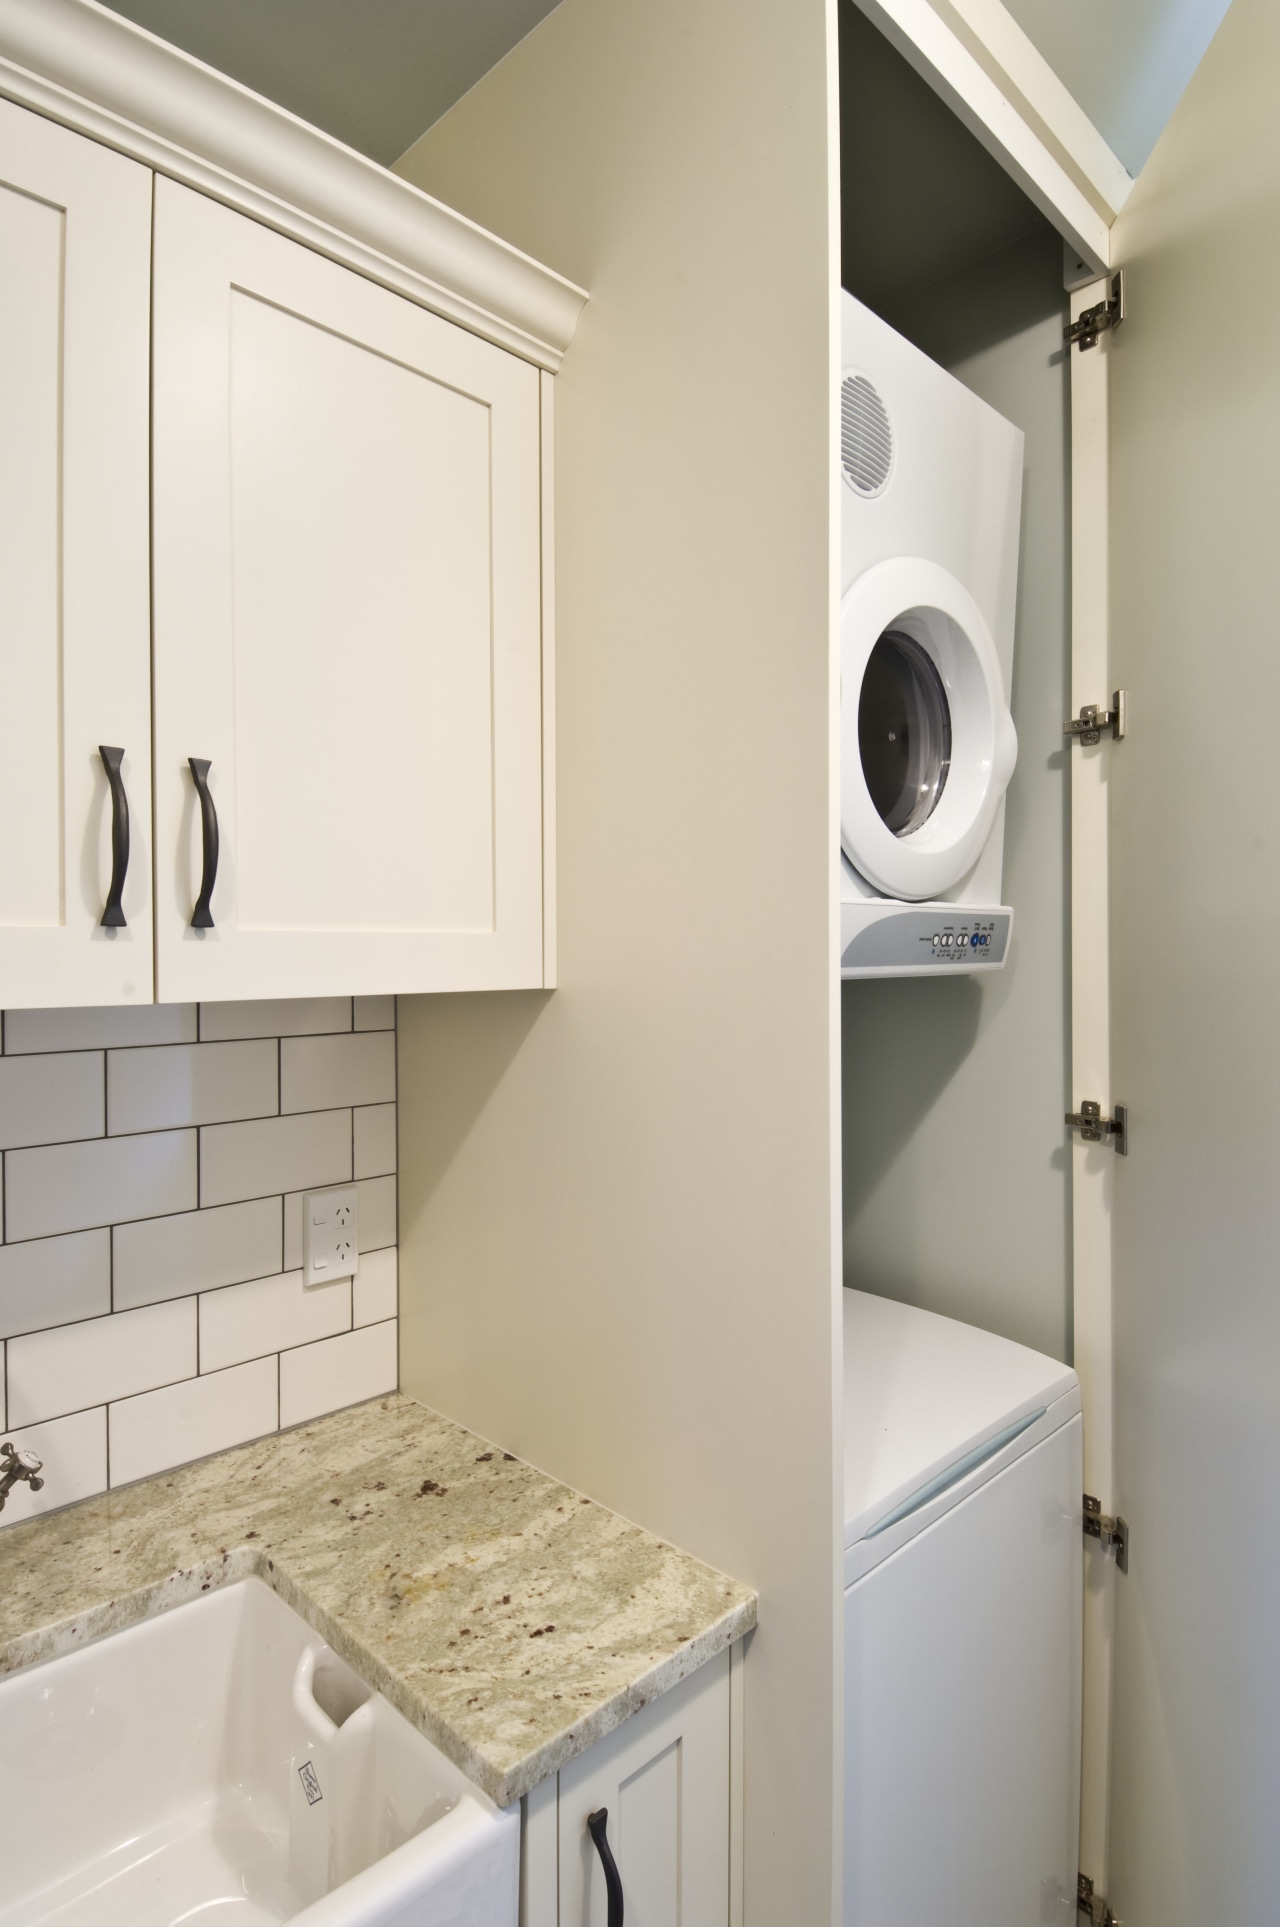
pixel 171 1130
pixel 200 1291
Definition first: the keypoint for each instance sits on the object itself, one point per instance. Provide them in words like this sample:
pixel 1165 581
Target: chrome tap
pixel 16 1466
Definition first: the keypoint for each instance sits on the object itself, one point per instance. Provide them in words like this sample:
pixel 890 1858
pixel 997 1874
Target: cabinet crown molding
pixel 93 71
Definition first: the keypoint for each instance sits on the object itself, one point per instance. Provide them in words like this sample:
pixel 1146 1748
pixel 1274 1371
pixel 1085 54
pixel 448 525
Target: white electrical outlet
pixel 330 1235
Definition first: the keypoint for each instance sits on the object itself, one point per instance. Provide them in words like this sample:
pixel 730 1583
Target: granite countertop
pixel 511 1620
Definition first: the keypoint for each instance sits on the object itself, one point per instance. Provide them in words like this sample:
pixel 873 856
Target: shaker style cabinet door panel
pixel 347 571
pixel 75 620
pixel 663 1777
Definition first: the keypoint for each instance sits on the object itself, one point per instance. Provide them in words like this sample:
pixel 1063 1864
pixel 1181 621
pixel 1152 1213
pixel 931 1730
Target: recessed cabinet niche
pixel 333 600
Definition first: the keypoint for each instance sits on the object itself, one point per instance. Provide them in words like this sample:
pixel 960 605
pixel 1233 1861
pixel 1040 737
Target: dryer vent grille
pixel 866 438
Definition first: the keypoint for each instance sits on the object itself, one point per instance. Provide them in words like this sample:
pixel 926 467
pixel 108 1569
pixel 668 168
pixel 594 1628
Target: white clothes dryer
pixel 931 501
pixel 963 1569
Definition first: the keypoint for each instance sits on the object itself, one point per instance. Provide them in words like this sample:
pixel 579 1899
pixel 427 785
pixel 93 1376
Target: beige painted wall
pixel 618 1215
pixel 1195 802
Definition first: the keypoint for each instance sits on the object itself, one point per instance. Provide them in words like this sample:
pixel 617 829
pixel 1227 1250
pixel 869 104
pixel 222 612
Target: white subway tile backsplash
pixel 54 1281
pixel 374 1295
pixel 188 1421
pixel 374 1140
pixel 66 1370
pixel 377 1213
pixel 374 1013
pixel 337 1372
pixel 68 1187
pixel 160 1258
pixel 152 1166
pixel 244 1321
pixel 98 1029
pixel 74 1455
pixel 276 1017
pixel 158 1090
pixel 48 1100
pixel 274 1154
pixel 320 1073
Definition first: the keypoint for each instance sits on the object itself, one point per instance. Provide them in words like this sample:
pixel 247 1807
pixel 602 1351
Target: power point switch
pixel 330 1235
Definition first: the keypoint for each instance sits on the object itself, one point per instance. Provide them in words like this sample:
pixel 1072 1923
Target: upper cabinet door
pixel 75 254
pixel 347 569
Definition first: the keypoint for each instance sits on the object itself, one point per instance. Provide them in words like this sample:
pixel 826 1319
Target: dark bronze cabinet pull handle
pixel 113 914
pixel 202 916
pixel 596 1823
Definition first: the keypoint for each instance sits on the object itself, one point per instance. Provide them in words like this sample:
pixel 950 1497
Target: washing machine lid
pixel 927 1399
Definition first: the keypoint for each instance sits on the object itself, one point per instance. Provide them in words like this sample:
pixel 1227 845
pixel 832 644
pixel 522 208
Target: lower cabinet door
pixel 663 1778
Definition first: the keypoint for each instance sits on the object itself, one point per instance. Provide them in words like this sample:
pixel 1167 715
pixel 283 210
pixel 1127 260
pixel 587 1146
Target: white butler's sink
pixel 219 1765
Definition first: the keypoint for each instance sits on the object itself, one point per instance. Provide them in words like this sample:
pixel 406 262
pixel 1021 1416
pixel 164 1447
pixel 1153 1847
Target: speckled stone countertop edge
pixel 503 1781
pixel 566 1746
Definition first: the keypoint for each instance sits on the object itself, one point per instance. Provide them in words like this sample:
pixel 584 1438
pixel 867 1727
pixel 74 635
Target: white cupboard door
pixel 663 1777
pixel 347 579
pixel 75 618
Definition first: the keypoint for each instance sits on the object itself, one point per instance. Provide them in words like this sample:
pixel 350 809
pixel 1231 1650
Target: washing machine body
pixel 931 490
pixel 963 1624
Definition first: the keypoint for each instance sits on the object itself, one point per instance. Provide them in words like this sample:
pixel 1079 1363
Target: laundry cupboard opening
pixel 956 1167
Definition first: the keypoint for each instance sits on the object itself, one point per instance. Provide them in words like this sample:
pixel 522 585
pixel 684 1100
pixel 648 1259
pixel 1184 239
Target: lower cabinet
pixel 664 1777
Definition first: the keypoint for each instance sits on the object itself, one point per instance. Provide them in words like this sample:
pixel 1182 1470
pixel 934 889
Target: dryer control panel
pixel 901 939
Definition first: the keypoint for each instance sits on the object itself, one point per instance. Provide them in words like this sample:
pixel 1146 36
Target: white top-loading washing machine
pixel 963 1619
pixel 931 495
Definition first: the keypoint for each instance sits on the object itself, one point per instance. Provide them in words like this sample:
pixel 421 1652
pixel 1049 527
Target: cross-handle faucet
pixel 16 1466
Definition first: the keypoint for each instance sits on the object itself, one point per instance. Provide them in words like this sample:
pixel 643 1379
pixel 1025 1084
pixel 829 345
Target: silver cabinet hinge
pixel 1095 321
pixel 1094 1128
pixel 1087 1902
pixel 1108 1531
pixel 1088 726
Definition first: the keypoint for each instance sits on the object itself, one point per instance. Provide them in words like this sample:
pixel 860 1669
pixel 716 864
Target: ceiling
pixel 377 73
pixel 374 73
pixel 1127 62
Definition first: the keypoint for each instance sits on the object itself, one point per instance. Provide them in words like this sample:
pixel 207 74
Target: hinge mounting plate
pixel 1108 1531
pixel 1095 321
pixel 1094 1128
pixel 1088 726
pixel 1087 1902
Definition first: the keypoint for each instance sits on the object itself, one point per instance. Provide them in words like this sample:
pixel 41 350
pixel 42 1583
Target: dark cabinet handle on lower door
pixel 202 916
pixel 113 912
pixel 596 1824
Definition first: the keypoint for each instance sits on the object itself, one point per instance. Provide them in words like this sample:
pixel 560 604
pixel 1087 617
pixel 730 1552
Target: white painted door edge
pixel 1092 1165
pixel 997 113
pixel 78 63
pixel 1021 71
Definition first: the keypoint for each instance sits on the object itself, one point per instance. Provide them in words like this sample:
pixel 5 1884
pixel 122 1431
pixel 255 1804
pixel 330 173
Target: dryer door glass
pixel 904 732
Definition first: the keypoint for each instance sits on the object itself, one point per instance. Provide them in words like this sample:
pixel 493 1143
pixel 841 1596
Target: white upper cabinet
pixel 275 517
pixel 348 626
pixel 75 245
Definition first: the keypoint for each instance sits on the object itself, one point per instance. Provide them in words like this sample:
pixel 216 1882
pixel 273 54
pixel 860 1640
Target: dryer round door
pixel 927 741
